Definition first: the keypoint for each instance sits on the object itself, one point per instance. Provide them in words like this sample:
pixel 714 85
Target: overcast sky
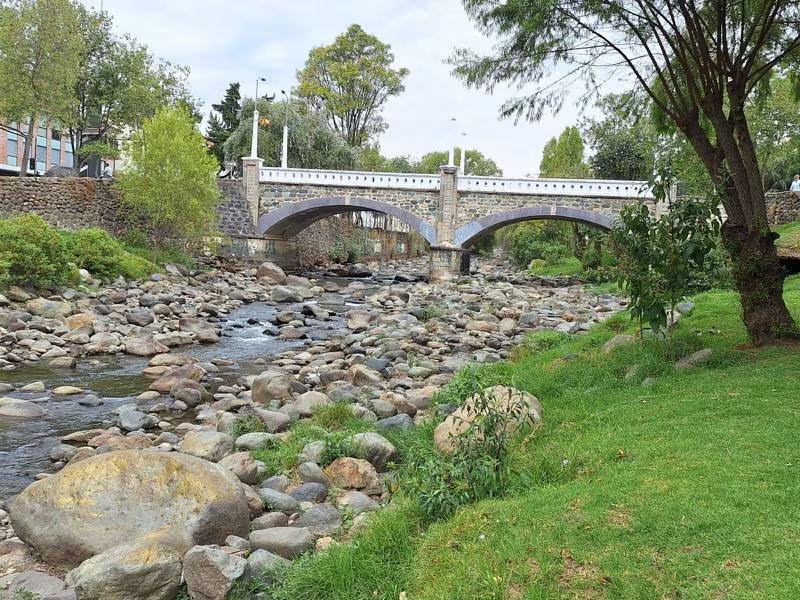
pixel 242 40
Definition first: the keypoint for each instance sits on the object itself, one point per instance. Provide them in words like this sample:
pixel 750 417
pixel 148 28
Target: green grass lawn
pixel 687 488
pixel 566 266
pixel 790 236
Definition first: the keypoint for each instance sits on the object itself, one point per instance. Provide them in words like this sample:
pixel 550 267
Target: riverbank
pixel 392 342
pixel 648 479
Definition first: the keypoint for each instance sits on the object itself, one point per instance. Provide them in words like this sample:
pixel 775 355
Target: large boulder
pixel 288 542
pixel 93 505
pixel 517 409
pixel 141 570
pixel 144 346
pixel 164 383
pixel 49 309
pixel 271 385
pixel 377 449
pixel 208 445
pixel 307 403
pixel 271 272
pixel 22 409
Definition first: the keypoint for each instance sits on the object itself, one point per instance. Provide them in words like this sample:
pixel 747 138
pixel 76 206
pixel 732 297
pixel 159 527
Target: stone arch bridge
pixel 450 211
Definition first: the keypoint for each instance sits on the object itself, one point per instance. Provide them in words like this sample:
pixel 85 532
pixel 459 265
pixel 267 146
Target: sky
pixel 244 40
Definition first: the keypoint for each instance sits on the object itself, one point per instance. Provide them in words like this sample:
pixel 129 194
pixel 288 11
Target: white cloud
pixel 240 41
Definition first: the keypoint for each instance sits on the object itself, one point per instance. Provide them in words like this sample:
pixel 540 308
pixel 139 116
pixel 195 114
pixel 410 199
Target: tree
pixel 312 143
pixel 223 120
pixel 623 140
pixel 350 81
pixel 120 84
pixel 699 63
pixel 563 157
pixel 774 115
pixel 39 40
pixel 475 163
pixel 171 179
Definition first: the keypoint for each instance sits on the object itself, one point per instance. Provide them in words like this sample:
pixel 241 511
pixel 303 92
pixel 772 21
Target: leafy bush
pixel 659 256
pixel 104 257
pixel 432 311
pixel 480 466
pixel 32 252
pixel 247 422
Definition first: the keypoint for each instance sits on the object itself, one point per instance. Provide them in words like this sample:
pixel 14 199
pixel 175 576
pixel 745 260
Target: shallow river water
pixel 25 444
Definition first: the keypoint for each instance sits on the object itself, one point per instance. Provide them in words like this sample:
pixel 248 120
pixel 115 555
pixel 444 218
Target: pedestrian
pixel 794 189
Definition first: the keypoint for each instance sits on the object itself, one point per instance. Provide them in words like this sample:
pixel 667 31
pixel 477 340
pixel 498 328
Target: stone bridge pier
pixel 449 211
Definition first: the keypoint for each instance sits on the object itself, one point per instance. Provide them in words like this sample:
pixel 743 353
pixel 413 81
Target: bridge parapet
pixel 359 179
pixel 587 188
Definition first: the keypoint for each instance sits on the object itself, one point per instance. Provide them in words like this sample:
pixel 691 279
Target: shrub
pixel 32 252
pixel 104 257
pixel 480 466
pixel 247 422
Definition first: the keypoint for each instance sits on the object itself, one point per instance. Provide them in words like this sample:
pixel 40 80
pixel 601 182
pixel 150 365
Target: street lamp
pixel 285 146
pixel 254 139
pixel 451 153
pixel 463 152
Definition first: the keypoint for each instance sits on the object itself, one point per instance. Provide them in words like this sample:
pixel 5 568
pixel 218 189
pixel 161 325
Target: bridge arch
pixel 290 219
pixel 468 233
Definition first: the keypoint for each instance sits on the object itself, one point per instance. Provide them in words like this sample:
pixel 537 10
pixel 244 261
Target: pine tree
pixel 223 120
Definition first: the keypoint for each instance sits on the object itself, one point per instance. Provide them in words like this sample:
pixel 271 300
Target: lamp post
pixel 463 152
pixel 285 146
pixel 254 139
pixel 452 151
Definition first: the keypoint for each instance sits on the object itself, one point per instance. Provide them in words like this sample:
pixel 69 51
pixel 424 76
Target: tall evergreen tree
pixel 223 120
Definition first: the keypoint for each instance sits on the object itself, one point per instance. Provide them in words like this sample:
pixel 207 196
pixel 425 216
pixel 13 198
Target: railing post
pixel 251 168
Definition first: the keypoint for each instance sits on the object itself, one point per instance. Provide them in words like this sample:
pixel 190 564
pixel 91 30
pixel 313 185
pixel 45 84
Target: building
pixel 51 148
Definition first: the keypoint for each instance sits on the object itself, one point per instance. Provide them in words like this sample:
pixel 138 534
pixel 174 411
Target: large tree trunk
pixel 26 150
pixel 758 276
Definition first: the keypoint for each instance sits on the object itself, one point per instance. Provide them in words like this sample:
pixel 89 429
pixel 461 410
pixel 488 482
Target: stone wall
pixel 782 208
pixel 70 203
pixel 422 203
pixel 234 213
pixel 473 206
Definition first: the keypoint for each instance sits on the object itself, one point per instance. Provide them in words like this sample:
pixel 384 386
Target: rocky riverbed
pixel 162 373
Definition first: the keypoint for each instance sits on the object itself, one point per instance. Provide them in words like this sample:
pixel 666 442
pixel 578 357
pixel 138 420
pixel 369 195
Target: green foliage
pixel 657 256
pixel 480 466
pixel 312 142
pixel 539 341
pixel 349 81
pixel 23 594
pixel 563 157
pixel 336 417
pixel 432 311
pixel 475 162
pixel 351 571
pixel 32 252
pixel 246 422
pixel 223 121
pixel 120 84
pixel 171 179
pixel 530 241
pixel 350 247
pixel 38 71
pixel 369 158
pixel 623 140
pixel 104 257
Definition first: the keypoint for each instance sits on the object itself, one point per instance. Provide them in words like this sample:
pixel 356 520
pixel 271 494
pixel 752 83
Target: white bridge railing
pixel 592 188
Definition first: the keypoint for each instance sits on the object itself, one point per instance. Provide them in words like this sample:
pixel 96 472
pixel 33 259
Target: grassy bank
pixel 790 237
pixel 686 488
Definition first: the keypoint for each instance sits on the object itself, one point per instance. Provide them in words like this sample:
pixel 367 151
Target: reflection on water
pixel 25 444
